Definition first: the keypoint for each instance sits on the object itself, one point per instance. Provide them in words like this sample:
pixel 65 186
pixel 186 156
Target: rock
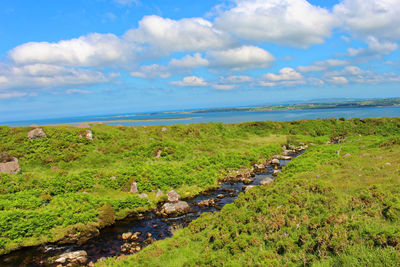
pixel 247 181
pixel 276 162
pixel 173 196
pixel 275 173
pixel 126 236
pixel 37 133
pixel 249 187
pixel 232 195
pixel 175 207
pixel 259 166
pixel 134 187
pixel 164 129
pixel 266 181
pixel 76 257
pixel 206 203
pixel 220 196
pixel 159 193
pixel 158 153
pixel 346 155
pixel 143 195
pixel 113 178
pixel 88 135
pixel 282 157
pixel 9 165
pixel 148 235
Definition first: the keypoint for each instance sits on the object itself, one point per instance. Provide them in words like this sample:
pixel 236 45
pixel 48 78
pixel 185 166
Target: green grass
pixel 66 181
pixel 323 210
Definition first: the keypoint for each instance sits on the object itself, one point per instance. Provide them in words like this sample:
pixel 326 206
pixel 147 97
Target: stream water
pixel 109 242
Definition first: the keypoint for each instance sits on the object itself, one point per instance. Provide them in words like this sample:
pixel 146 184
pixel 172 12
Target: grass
pixel 323 210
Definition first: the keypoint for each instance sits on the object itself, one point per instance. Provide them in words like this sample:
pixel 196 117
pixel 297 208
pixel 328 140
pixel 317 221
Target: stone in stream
pixel 178 207
pixel 276 162
pixel 266 181
pixel 206 203
pixel 8 164
pixel 126 236
pixel 37 133
pixel 275 173
pixel 173 196
pixel 221 196
pixel 247 188
pixel 76 257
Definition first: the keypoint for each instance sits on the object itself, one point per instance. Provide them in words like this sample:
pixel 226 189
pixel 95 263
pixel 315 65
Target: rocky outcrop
pixel 8 164
pixel 173 196
pixel 133 187
pixel 72 258
pixel 175 208
pixel 37 133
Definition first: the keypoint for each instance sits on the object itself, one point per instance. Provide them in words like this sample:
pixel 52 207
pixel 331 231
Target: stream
pixel 109 242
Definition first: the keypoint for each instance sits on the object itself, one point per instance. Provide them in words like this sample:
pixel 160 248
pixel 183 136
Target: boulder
pixel 275 173
pixel 266 181
pixel 158 153
pixel 37 133
pixel 164 129
pixel 134 187
pixel 9 165
pixel 275 162
pixel 76 257
pixel 143 195
pixel 126 236
pixel 175 208
pixel 173 196
pixel 88 135
pixel 207 203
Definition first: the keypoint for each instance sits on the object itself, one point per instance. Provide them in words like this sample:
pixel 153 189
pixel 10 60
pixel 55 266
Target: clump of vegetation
pixel 5 157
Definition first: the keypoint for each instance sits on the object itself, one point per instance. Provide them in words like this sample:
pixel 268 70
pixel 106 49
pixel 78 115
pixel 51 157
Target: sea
pixel 169 118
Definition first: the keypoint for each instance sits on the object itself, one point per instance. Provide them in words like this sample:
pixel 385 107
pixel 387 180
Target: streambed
pixel 109 242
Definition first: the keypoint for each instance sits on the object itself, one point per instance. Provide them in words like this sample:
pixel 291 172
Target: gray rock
pixel 159 193
pixel 164 129
pixel 10 167
pixel 37 133
pixel 175 208
pixel 134 187
pixel 275 173
pixel 173 196
pixel 143 195
pixel 249 187
pixel 77 257
pixel 266 181
pixel 275 162
pixel 88 135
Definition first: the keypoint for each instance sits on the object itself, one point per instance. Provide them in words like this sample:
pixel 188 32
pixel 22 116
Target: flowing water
pixel 109 242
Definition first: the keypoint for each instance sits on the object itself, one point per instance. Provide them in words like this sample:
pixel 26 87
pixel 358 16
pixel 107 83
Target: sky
pixel 90 57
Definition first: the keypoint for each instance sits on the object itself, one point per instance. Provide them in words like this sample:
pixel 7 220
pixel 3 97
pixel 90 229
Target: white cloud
pixel 8 95
pixel 223 86
pixel 190 81
pixel 375 48
pixel 364 18
pixel 47 76
pixel 340 80
pixel 357 75
pixel 237 79
pixel 152 71
pixel 289 22
pixel 127 2
pixel 322 65
pixel 190 62
pixel 286 77
pixel 244 57
pixel 77 91
pixel 91 50
pixel 189 34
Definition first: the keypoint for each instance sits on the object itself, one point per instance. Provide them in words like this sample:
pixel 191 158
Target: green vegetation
pixel 335 205
pixel 70 185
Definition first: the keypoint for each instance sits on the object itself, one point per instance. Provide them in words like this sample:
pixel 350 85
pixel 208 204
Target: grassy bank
pixel 335 205
pixel 71 186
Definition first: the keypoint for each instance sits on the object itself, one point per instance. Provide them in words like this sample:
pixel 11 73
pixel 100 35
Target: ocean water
pixel 224 117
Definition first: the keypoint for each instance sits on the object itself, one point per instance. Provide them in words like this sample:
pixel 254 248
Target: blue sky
pixel 84 57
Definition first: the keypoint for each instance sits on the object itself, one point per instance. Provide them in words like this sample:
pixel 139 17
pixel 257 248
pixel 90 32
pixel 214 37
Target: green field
pixel 70 186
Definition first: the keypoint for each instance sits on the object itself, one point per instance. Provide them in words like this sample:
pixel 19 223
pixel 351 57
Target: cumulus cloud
pixel 364 18
pixel 244 57
pixel 47 76
pixel 224 86
pixel 192 81
pixel 340 80
pixel 357 75
pixel 8 95
pixel 152 71
pixel 91 50
pixel 77 91
pixel 189 34
pixel 286 77
pixel 237 79
pixel 375 48
pixel 126 2
pixel 289 22
pixel 188 61
pixel 323 65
